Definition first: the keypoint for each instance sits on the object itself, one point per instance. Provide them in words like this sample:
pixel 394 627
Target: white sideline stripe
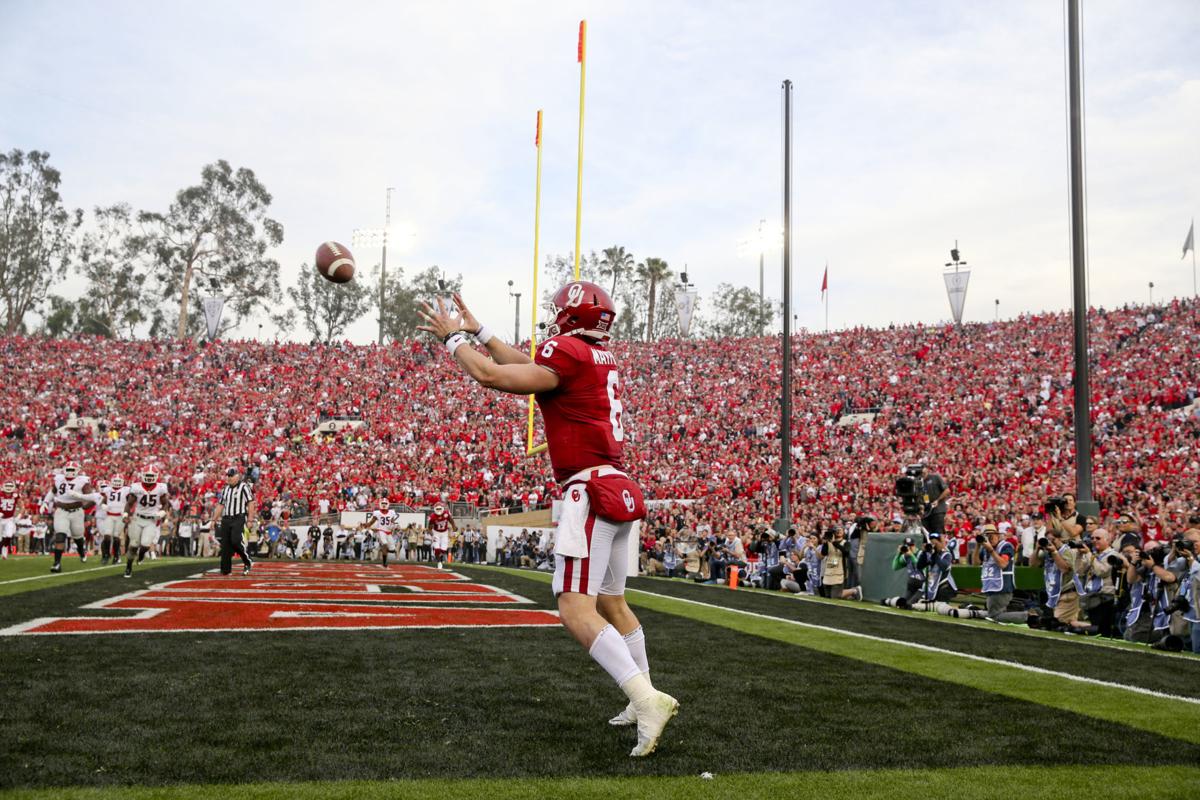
pixel 58 574
pixel 939 650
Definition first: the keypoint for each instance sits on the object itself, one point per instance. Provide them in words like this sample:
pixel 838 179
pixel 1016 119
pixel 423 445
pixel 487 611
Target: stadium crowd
pixel 987 405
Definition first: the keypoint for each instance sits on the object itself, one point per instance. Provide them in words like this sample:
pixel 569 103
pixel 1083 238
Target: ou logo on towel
pixel 575 495
pixel 630 504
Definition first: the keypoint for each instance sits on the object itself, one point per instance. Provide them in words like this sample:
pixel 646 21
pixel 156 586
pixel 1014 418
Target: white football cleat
pixel 653 714
pixel 626 717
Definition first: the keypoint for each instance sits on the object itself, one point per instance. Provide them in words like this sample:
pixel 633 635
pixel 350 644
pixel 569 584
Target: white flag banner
pixel 685 303
pixel 956 290
pixel 212 314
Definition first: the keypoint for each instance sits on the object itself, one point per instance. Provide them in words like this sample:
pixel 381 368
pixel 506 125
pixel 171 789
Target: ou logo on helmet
pixel 630 503
pixel 574 295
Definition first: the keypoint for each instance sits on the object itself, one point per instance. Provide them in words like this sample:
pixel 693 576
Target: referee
pixel 229 519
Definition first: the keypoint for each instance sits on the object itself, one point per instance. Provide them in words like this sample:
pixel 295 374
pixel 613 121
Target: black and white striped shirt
pixel 236 499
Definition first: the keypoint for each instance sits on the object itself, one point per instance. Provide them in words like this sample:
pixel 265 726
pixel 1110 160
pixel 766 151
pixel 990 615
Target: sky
pixel 916 124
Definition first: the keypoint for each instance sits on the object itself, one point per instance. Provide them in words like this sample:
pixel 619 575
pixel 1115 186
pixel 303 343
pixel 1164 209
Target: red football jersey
pixel 440 523
pixel 583 416
pixel 8 506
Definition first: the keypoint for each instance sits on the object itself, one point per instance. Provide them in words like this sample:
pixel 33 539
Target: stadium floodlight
pixel 767 236
pixel 516 313
pixel 401 234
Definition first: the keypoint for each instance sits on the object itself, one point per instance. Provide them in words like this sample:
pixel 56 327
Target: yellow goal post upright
pixel 581 57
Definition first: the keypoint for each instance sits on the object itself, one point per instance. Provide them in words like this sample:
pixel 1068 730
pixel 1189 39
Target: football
pixel 335 262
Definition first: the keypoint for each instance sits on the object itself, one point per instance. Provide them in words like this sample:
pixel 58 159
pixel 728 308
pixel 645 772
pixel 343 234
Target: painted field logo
pixel 280 597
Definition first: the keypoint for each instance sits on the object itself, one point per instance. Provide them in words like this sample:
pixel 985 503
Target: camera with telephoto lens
pixel 910 489
pixel 1180 604
pixel 1181 544
pixel 1055 503
pixel 980 538
pixel 1043 543
pixel 1115 562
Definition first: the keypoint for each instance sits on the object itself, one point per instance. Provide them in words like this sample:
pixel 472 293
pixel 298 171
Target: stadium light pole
pixel 1151 292
pixel 371 237
pixel 785 404
pixel 1082 412
pixel 516 313
pixel 762 251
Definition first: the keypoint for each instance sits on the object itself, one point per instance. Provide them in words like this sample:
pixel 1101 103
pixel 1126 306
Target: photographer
pixel 936 493
pixel 1154 576
pixel 725 554
pixel 1057 559
pixel 1099 591
pixel 794 574
pixel 1062 517
pixel 810 554
pixel 835 552
pixel 906 559
pixel 935 561
pixel 997 557
pixel 1192 614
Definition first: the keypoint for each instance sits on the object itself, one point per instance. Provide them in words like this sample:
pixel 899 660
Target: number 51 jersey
pixel 583 416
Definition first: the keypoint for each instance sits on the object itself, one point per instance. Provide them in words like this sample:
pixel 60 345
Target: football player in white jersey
pixel 145 506
pixel 382 521
pixel 9 502
pixel 70 491
pixel 110 519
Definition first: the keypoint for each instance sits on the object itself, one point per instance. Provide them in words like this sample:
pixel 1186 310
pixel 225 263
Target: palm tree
pixel 652 272
pixel 616 263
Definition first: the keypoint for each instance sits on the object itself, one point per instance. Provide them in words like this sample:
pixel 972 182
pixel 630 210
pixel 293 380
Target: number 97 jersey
pixel 583 416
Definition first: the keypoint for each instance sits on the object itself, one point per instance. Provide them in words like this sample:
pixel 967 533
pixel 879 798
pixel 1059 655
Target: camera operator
pixel 906 559
pixel 1099 591
pixel 810 554
pixel 1063 518
pixel 997 560
pixel 1192 614
pixel 935 561
pixel 1054 557
pixel 793 573
pixel 936 493
pixel 724 554
pixel 835 552
pixel 858 549
pixel 1153 577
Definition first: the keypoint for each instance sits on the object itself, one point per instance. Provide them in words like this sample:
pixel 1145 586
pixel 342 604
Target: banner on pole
pixel 685 303
pixel 212 314
pixel 956 290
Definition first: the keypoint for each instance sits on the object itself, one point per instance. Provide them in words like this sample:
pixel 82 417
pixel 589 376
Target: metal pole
pixel 387 222
pixel 785 404
pixel 517 319
pixel 1083 420
pixel 762 247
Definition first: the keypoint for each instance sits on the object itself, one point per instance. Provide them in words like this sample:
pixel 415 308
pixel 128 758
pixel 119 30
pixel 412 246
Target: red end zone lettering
pixel 281 597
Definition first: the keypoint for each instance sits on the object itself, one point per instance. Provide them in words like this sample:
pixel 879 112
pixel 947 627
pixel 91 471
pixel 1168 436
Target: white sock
pixel 636 642
pixel 610 652
pixel 637 688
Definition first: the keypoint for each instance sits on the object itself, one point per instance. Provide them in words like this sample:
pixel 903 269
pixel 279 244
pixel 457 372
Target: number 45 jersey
pixel 584 415
pixel 150 501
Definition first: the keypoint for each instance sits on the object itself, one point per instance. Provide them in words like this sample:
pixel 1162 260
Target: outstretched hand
pixel 470 324
pixel 440 321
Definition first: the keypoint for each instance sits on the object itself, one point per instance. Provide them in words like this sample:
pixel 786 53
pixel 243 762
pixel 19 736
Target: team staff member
pixel 936 494
pixel 229 519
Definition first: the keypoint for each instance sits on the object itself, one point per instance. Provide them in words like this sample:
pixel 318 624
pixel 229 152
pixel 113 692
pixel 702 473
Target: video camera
pixel 1055 503
pixel 910 490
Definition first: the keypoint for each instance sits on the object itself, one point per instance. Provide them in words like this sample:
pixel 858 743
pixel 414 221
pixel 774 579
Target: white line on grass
pixel 58 574
pixel 932 649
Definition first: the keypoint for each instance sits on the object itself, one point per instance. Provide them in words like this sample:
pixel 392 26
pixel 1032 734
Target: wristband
pixel 456 340
pixel 451 334
pixel 484 334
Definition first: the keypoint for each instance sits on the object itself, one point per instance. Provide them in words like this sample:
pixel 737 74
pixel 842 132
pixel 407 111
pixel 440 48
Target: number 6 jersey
pixel 583 416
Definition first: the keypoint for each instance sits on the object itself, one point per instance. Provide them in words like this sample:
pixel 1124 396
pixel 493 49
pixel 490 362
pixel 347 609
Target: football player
pixel 70 491
pixel 8 518
pixel 440 524
pixel 145 506
pixel 382 521
pixel 110 519
pixel 577 385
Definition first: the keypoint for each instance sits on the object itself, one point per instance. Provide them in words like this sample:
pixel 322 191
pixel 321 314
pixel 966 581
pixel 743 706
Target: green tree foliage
pixel 652 274
pixel 401 296
pixel 217 232
pixel 736 312
pixel 35 233
pixel 616 265
pixel 325 308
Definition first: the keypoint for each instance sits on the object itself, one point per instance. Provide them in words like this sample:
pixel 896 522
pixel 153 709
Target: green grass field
pixel 780 697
